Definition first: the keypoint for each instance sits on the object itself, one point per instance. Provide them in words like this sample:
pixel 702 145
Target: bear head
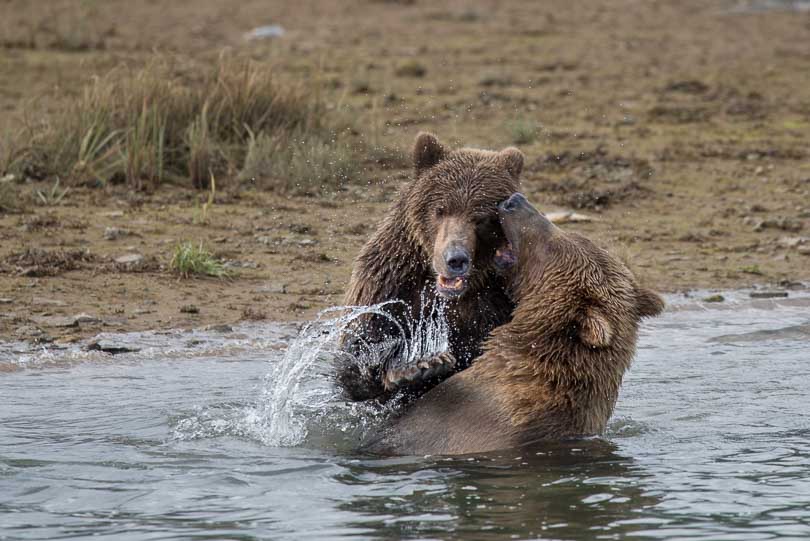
pixel 563 281
pixel 451 210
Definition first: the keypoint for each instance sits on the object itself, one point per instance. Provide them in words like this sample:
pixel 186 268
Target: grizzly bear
pixel 436 244
pixel 554 371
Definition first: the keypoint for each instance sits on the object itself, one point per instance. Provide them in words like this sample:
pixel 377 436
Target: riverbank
pixel 678 129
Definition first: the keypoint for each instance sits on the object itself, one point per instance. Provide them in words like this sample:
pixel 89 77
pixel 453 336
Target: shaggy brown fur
pixel 554 371
pixel 438 239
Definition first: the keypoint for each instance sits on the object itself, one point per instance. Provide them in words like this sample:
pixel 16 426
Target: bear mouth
pixel 451 287
pixel 505 257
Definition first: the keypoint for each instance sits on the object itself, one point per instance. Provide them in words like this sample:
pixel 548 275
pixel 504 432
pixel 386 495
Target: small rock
pixel 273 288
pixel 565 217
pixel 232 264
pixel 298 242
pixel 220 328
pixel 264 32
pixel 42 301
pixel 29 330
pixel 301 229
pixel 6 301
pixel 691 237
pixel 790 284
pixel 189 309
pixel 108 346
pixel 714 298
pixel 129 259
pixel 86 319
pixel 56 321
pixel 793 242
pixel 768 294
pixel 785 224
pixel 804 250
pixel 113 214
pixel 112 233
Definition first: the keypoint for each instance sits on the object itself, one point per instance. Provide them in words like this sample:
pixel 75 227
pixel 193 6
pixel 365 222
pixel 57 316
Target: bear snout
pixel 457 260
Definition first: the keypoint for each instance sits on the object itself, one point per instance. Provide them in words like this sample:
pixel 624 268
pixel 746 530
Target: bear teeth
pixel 451 283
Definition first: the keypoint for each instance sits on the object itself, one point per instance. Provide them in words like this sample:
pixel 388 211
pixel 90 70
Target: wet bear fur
pixel 450 207
pixel 555 370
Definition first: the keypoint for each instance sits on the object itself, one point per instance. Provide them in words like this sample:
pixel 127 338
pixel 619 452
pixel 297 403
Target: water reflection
pixel 572 490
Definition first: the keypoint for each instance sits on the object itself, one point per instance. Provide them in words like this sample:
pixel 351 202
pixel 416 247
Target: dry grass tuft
pixel 297 163
pixel 167 122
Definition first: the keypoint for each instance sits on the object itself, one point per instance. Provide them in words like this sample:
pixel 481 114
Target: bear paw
pixel 414 374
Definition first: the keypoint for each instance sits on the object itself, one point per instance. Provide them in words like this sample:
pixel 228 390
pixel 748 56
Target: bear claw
pixel 425 369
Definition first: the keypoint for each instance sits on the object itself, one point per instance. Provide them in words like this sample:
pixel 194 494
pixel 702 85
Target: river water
pixel 710 440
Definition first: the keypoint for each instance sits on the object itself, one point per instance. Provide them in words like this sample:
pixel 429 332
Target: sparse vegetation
pixel 752 269
pixel 298 163
pixel 10 197
pixel 523 131
pixel 201 150
pixel 54 196
pixel 201 212
pixel 194 260
pixel 146 127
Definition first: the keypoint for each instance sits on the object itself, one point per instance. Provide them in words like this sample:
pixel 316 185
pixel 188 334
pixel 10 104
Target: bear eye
pixel 440 212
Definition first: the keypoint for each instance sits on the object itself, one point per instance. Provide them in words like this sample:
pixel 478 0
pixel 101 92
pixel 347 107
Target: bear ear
pixel 427 151
pixel 595 330
pixel 512 159
pixel 648 303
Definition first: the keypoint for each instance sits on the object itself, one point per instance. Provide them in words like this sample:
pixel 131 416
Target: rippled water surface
pixel 710 440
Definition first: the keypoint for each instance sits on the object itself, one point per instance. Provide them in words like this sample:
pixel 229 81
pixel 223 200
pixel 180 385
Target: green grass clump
pixel 752 269
pixel 52 197
pixel 194 260
pixel 523 132
pixel 170 122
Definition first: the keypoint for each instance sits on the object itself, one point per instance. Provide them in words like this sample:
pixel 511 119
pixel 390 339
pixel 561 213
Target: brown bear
pixel 554 371
pixel 436 244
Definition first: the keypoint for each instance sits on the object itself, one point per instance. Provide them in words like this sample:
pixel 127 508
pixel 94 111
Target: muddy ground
pixel 679 127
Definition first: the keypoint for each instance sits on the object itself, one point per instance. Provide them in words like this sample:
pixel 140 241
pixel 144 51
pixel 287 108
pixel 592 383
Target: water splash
pixel 287 401
pixel 299 401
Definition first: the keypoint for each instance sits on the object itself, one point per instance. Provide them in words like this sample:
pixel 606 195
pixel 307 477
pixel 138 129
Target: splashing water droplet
pixel 295 403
